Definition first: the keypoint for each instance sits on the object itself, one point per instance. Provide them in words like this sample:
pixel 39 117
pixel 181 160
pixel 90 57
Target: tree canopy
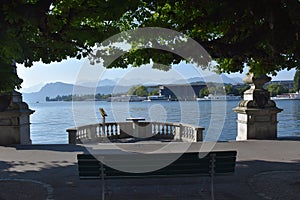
pixel 51 30
pixel 297 81
pixel 264 34
pixel 139 90
pixel 276 89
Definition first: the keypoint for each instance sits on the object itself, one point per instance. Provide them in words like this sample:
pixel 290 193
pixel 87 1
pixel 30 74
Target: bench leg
pixel 212 187
pixel 102 182
pixel 212 173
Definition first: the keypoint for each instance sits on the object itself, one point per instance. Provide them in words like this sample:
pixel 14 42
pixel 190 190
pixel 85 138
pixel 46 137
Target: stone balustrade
pixel 93 133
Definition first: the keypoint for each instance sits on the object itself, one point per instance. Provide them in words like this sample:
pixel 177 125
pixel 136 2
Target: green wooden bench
pixel 123 166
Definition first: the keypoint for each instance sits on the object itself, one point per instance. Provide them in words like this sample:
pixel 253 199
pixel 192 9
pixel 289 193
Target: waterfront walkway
pixel 264 170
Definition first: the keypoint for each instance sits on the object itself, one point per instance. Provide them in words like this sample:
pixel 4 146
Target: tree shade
pixel 297 81
pixel 264 34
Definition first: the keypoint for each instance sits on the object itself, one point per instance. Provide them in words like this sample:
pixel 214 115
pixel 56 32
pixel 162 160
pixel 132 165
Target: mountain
pixel 31 89
pixel 58 88
pixel 50 90
pixel 195 80
pixel 212 78
pixel 104 82
pixel 238 80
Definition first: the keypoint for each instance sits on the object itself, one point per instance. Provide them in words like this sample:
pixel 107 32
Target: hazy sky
pixel 72 70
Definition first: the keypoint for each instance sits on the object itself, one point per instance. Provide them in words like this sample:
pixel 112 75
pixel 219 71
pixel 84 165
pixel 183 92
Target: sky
pixel 78 71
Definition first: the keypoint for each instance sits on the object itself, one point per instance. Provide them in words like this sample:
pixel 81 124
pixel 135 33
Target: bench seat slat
pixel 187 164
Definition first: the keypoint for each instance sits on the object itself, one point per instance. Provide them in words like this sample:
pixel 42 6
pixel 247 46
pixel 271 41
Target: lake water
pixel 51 119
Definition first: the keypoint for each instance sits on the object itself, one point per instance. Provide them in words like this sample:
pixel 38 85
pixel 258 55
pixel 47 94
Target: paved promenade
pixel 264 170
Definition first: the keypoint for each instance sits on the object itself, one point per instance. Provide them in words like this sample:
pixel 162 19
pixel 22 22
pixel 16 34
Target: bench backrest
pixel 186 164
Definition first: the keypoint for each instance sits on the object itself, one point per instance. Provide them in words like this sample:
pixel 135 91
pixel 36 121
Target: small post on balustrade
pixel 199 134
pixel 103 114
pixel 72 135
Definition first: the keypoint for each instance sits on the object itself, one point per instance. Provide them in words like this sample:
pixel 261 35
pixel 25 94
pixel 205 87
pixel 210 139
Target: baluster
pixel 79 135
pixel 96 131
pixel 115 129
pixel 84 134
pixel 118 129
pixel 110 130
pixel 193 134
pixel 152 129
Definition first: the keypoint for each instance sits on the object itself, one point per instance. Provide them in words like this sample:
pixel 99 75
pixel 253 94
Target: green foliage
pixel 50 31
pixel 262 34
pixel 203 92
pixel 139 90
pixel 217 89
pixel 8 78
pixel 230 89
pixel 297 81
pixel 276 89
pixel 154 92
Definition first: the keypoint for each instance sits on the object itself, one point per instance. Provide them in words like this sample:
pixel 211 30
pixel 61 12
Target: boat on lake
pixel 157 98
pixel 127 98
pixel 215 97
pixel 287 96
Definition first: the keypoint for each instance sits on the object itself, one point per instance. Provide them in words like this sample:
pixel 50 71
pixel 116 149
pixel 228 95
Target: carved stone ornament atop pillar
pixel 257 113
pixel 14 119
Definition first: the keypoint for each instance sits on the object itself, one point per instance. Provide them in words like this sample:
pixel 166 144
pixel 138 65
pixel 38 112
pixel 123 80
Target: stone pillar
pixel 257 114
pixel 72 135
pixel 14 121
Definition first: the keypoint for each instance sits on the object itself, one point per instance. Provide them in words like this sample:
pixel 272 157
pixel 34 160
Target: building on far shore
pixel 181 92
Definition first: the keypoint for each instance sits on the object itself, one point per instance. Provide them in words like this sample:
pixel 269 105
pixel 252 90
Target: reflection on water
pixel 51 119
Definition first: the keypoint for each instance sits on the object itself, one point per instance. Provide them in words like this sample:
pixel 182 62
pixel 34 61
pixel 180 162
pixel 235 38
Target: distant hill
pixel 58 88
pixel 104 82
pixel 238 80
pixel 212 78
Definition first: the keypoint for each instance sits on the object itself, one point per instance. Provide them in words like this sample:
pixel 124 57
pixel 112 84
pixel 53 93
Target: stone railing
pixel 142 130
